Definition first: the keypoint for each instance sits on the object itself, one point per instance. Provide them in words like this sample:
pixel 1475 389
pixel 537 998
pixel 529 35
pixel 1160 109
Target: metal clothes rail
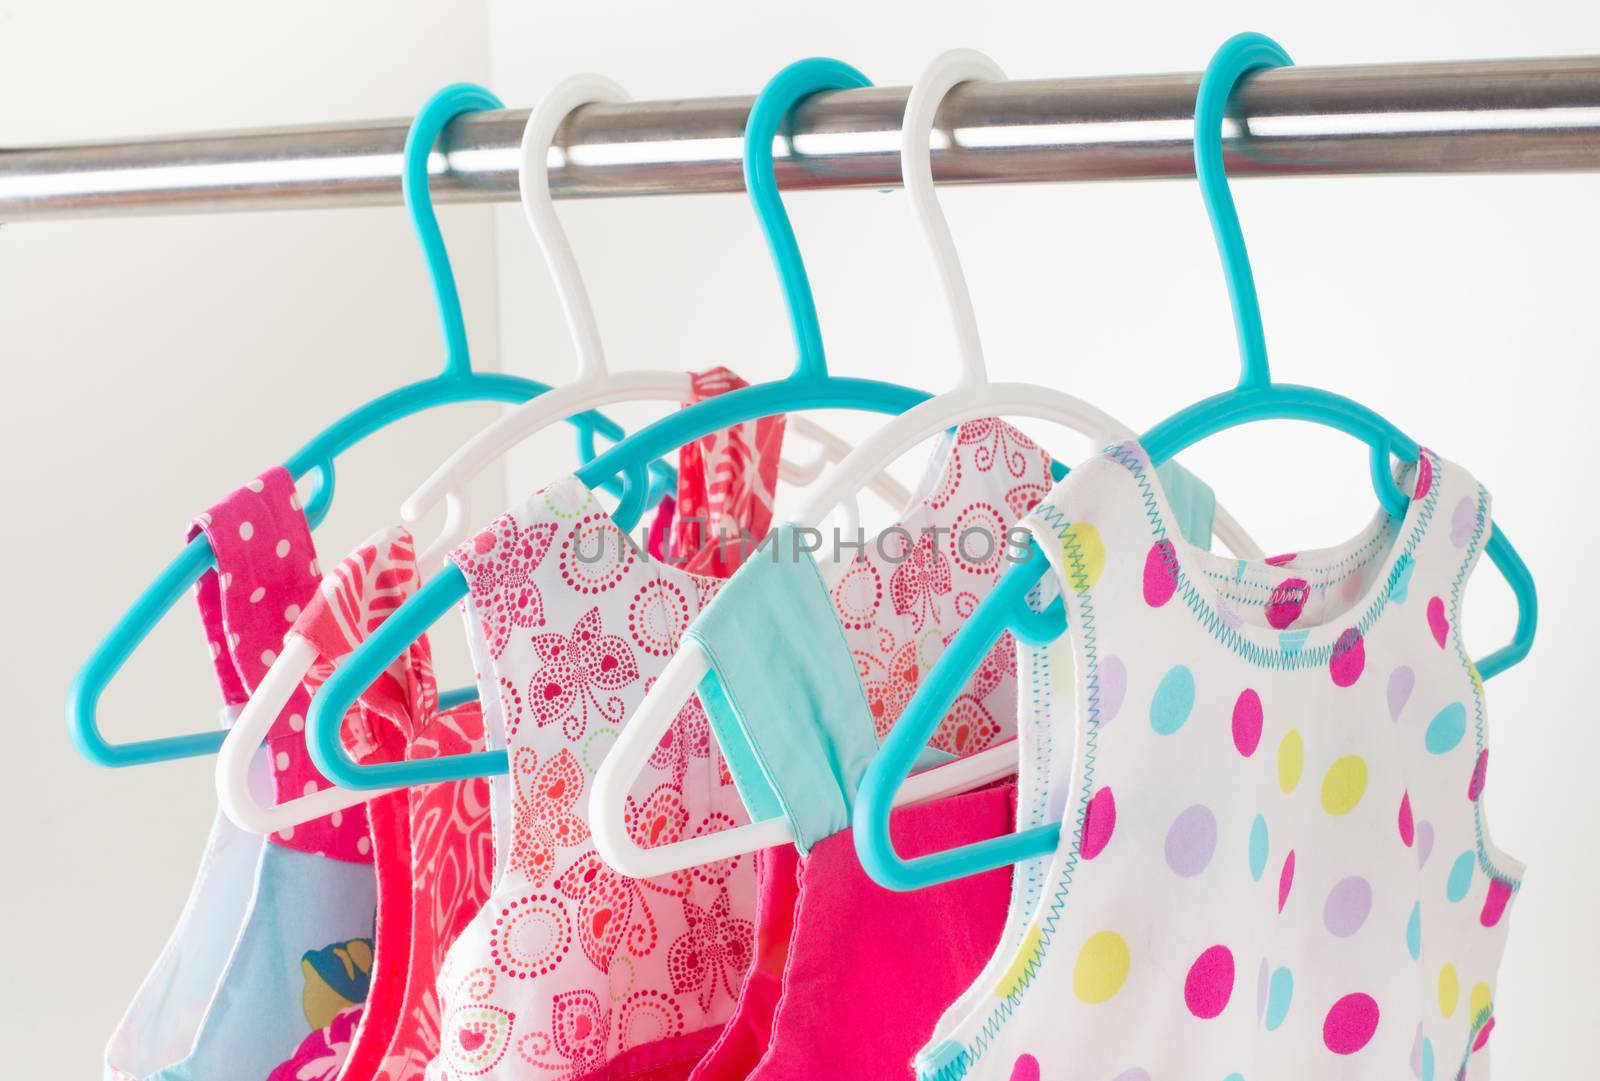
pixel 1493 116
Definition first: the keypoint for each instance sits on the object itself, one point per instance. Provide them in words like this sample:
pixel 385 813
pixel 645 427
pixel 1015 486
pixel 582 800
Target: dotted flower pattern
pixel 906 595
pixel 568 965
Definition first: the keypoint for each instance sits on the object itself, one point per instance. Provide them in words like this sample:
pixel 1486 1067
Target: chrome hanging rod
pixel 1492 116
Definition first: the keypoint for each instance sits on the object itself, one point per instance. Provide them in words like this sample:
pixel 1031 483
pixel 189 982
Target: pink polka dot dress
pixel 1274 862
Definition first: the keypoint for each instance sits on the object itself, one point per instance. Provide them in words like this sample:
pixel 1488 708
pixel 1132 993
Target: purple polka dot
pixel 1401 682
pixel 1099 822
pixel 1349 658
pixel 1160 573
pixel 1424 842
pixel 1350 1024
pixel 1408 827
pixel 1285 880
pixel 1347 906
pixel 1247 722
pixel 1480 773
pixel 1026 1068
pixel 1113 688
pixel 1287 601
pixel 1209 984
pixel 1133 1074
pixel 1191 840
pixel 1463 521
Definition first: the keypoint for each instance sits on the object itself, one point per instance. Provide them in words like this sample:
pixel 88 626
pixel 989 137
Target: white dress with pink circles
pixel 1274 862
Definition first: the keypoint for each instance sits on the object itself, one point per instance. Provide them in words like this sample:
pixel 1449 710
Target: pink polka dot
pixel 1483 1035
pixel 1424 476
pixel 1287 601
pixel 1437 623
pixel 1026 1068
pixel 1160 573
pixel 1480 773
pixel 1209 984
pixel 1349 658
pixel 1247 722
pixel 1285 879
pixel 1350 1024
pixel 1408 827
pixel 1280 560
pixel 1494 903
pixel 1099 820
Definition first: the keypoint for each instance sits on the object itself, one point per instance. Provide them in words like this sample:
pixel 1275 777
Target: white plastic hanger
pixel 595 384
pixel 974 397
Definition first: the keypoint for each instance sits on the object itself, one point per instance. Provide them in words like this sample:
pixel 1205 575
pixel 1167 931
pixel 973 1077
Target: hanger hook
pixel 1239 56
pixel 533 183
pixel 772 107
pixel 429 124
pixel 947 71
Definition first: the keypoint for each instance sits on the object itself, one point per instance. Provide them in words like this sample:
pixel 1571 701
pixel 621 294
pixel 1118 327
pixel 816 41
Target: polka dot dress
pixel 1274 862
pixel 270 572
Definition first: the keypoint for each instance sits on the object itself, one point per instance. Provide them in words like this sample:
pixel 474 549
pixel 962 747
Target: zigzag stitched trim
pixel 1281 658
pixel 1480 712
pixel 957 1067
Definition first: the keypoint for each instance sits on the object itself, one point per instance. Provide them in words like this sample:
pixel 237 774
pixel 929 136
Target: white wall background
pixel 151 365
pixel 147 368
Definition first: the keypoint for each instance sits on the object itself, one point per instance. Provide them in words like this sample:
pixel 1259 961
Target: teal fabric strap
pixel 782 695
pixel 1193 503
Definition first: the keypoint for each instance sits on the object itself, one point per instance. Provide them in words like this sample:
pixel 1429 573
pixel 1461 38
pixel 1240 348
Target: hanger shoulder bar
pixel 1485 116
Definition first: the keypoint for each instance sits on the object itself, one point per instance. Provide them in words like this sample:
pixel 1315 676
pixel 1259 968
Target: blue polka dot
pixel 1258 848
pixel 1173 700
pixel 1234 1077
pixel 1460 880
pixel 1446 729
pixel 1414 931
pixel 1427 1060
pixel 1279 993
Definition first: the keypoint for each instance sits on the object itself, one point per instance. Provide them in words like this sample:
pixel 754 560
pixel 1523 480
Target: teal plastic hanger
pixel 808 387
pixel 456 383
pixel 1256 397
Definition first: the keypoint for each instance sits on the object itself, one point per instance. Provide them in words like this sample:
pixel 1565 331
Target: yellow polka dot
pixel 1101 969
pixel 1480 1002
pixel 1449 990
pixel 1291 760
pixel 1477 680
pixel 1085 555
pixel 1027 956
pixel 1344 784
